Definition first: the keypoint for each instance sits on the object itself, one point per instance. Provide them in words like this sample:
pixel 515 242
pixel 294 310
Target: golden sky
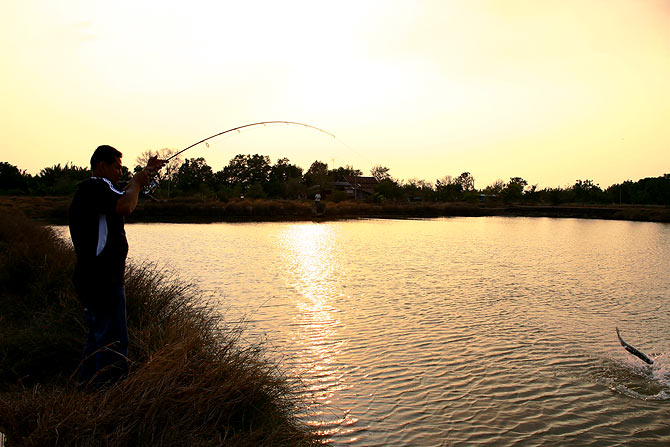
pixel 551 91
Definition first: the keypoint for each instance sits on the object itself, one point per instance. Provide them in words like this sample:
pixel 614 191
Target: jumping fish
pixel 634 351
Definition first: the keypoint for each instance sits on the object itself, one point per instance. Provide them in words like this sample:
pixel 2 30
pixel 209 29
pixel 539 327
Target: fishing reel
pixel 151 187
pixel 148 190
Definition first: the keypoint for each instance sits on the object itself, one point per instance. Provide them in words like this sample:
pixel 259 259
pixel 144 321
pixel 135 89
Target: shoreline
pixel 53 210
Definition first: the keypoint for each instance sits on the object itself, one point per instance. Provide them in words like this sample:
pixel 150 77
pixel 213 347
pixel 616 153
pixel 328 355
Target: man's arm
pixel 128 201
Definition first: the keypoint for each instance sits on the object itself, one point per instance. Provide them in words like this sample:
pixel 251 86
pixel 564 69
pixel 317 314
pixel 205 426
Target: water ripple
pixel 451 332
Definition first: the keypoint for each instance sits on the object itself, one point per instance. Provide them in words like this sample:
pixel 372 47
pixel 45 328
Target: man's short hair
pixel 106 154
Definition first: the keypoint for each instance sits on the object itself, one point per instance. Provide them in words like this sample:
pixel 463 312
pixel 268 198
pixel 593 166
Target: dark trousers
pixel 105 357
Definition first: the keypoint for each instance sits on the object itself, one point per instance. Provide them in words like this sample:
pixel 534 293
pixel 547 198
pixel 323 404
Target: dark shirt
pixel 99 238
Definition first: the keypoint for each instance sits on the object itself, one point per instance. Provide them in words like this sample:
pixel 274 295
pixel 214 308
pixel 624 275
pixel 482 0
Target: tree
pixel 514 189
pixel 13 180
pixel 317 174
pixel 418 189
pixel 169 170
pixel 531 194
pixel 166 175
pixel 448 189
pixel 389 189
pixel 255 191
pixel 284 179
pixel 342 171
pixel 380 172
pixel 283 170
pixel 586 191
pixel 650 190
pixel 245 170
pixel 654 190
pixel 193 175
pixel 258 168
pixel 496 188
pixel 63 180
pixel 556 195
pixel 446 180
pixel 467 182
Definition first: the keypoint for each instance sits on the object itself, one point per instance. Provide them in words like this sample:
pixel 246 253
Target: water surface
pixel 461 331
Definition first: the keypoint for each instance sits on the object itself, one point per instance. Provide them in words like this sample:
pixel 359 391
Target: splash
pixel 644 382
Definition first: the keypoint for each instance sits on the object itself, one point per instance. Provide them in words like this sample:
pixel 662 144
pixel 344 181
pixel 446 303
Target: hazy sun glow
pixel 550 91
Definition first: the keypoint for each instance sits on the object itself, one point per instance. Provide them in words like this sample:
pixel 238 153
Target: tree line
pixel 254 176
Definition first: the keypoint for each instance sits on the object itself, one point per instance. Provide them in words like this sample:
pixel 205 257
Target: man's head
pixel 106 162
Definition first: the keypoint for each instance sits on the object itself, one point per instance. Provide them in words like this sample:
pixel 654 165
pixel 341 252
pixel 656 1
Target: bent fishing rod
pixel 153 184
pixel 249 125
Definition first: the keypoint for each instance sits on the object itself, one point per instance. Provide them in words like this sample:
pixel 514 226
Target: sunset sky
pixel 551 91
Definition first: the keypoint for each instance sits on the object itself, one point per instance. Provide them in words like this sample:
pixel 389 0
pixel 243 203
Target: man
pixel 96 219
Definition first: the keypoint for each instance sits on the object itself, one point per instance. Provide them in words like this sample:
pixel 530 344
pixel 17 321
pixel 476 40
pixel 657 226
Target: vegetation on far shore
pixel 193 381
pixel 254 177
pixel 250 188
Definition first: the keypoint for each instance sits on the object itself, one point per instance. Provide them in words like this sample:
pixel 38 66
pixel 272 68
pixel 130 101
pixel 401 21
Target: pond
pixel 455 331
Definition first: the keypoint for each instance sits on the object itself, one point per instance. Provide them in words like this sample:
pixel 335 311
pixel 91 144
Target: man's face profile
pixel 110 171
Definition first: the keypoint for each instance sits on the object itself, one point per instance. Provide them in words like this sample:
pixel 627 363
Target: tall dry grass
pixel 40 323
pixel 193 381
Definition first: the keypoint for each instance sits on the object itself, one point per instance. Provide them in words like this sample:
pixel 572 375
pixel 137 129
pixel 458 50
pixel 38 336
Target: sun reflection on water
pixel 311 268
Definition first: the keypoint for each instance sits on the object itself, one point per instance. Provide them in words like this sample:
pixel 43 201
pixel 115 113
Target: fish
pixel 637 353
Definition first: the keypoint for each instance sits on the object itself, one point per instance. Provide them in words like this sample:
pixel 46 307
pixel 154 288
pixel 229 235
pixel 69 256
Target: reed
pixel 193 380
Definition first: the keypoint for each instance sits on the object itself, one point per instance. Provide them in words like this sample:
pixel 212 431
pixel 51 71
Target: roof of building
pixel 359 182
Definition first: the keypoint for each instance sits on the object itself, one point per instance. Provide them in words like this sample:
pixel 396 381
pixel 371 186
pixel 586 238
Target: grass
pixel 193 381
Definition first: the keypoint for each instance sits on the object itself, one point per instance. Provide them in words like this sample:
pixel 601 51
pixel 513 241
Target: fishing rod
pixel 154 184
pixel 249 125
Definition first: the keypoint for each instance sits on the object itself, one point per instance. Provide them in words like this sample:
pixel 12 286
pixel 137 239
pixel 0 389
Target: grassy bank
pixel 193 382
pixel 54 210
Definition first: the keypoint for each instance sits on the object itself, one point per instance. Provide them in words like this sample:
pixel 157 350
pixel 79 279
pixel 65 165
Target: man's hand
pixel 154 164
pixel 127 203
